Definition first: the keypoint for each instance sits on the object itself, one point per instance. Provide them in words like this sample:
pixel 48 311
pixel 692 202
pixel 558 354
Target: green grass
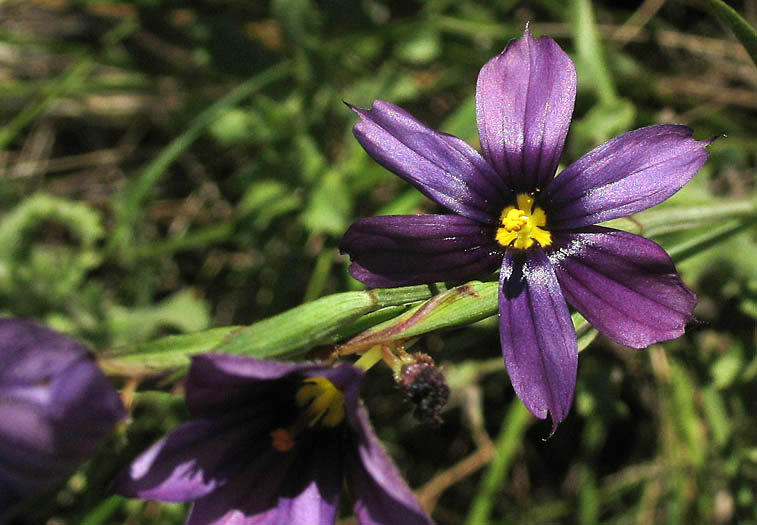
pixel 172 169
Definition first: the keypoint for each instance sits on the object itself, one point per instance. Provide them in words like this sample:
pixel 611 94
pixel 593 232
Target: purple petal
pixel 380 494
pixel 219 383
pixel 443 167
pixel 399 250
pixel 33 354
pixel 625 175
pixel 55 407
pixel 85 409
pixel 537 335
pixel 524 103
pixel 192 461
pixel 625 285
pixel 279 488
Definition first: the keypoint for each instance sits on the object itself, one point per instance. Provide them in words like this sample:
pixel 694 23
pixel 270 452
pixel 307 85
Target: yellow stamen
pixel 514 220
pixel 522 226
pixel 324 401
pixel 282 440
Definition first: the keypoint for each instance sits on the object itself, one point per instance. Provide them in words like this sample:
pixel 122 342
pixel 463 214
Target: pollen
pixel 282 440
pixel 522 224
pixel 323 402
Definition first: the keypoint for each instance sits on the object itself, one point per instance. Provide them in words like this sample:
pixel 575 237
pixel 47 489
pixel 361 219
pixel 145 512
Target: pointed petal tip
pixel 537 337
pixel 533 77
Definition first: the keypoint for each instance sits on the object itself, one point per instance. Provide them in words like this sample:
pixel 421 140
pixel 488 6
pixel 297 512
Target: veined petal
pixel 220 383
pixel 195 459
pixel 537 336
pixel 216 382
pixel 443 167
pixel 625 175
pixel 400 250
pixel 380 494
pixel 56 406
pixel 625 285
pixel 524 103
pixel 302 487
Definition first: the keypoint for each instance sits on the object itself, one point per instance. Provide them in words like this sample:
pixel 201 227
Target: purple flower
pixel 271 443
pixel 513 213
pixel 55 408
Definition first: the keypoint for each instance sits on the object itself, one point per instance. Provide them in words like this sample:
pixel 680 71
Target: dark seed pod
pixel 424 386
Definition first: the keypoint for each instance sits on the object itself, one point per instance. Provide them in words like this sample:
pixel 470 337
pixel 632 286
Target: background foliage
pixel 170 167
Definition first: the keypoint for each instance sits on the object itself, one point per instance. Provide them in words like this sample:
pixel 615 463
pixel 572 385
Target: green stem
pixel 707 240
pixel 510 437
pixel 662 221
pixel 740 27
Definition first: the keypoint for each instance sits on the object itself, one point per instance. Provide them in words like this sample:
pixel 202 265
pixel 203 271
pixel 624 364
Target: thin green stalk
pixel 193 239
pixel 319 276
pixel 651 223
pixel 708 239
pixel 746 34
pixel 60 86
pixel 591 53
pixel 129 202
pixel 510 437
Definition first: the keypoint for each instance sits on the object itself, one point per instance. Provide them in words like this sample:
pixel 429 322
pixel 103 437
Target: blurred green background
pixel 168 167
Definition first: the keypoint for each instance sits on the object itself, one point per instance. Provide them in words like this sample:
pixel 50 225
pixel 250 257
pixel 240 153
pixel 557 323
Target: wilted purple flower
pixel 55 408
pixel 271 443
pixel 514 214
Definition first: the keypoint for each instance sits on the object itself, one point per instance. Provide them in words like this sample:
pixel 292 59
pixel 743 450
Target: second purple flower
pixel 273 443
pixel 512 213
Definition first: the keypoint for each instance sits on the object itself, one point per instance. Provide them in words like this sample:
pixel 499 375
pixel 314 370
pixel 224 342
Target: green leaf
pixel 659 221
pixel 590 60
pixel 181 311
pixel 329 206
pixel 65 83
pixel 47 270
pixel 719 421
pixel 740 27
pixel 421 47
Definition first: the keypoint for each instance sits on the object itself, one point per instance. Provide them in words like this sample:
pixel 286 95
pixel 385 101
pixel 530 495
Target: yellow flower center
pixel 522 224
pixel 323 403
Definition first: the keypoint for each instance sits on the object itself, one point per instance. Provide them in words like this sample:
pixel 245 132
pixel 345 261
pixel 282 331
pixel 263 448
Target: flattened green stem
pixel 404 326
pixel 387 316
pixel 162 354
